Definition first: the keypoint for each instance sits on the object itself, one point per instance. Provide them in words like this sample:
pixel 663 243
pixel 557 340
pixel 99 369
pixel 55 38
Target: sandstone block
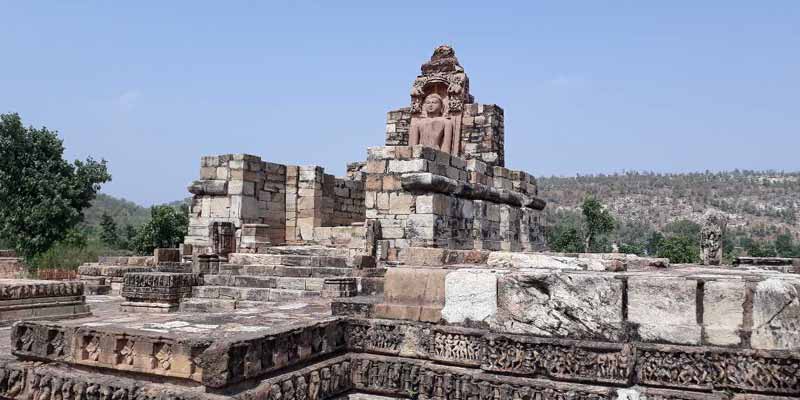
pixel 470 295
pixel 723 311
pixel 560 304
pixel 776 314
pixel 400 203
pixel 665 309
pixel 406 166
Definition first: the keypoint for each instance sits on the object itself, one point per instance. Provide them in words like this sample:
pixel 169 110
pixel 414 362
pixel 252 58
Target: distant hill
pixel 759 202
pixel 123 212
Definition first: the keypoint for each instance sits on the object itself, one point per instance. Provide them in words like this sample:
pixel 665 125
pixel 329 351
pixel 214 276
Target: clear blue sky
pixel 587 87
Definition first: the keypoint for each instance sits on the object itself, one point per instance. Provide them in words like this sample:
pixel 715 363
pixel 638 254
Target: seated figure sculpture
pixel 433 129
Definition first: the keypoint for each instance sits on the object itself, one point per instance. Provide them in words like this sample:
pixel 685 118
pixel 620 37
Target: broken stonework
pixel 499 259
pixel 776 314
pixel 560 304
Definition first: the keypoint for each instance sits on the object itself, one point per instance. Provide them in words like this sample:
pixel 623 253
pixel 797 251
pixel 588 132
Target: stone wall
pixel 482 132
pixel 11 267
pixel 240 189
pixel 422 197
pixel 291 200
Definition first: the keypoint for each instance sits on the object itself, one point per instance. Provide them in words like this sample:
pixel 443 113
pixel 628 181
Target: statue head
pixel 433 105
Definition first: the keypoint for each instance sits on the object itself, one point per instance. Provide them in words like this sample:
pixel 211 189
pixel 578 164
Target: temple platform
pixel 37 299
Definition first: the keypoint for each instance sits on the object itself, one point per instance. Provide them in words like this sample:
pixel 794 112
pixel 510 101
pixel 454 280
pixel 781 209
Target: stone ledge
pixel 215 360
pixel 429 182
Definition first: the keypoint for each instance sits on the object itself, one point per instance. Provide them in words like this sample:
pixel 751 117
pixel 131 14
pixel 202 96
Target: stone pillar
pixel 711 234
pixel 305 205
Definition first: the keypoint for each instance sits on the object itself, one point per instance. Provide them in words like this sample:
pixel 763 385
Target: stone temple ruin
pixel 418 275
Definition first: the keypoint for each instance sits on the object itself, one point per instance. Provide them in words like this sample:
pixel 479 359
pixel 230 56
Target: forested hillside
pixel 761 204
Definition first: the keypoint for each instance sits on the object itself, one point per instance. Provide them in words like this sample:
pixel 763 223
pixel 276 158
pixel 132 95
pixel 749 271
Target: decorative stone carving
pixel 611 364
pixel 698 369
pixel 223 238
pixel 455 347
pixel 15 289
pixel 711 233
pixel 432 129
pixel 427 381
pixel 437 102
pixel 374 337
pixel 157 291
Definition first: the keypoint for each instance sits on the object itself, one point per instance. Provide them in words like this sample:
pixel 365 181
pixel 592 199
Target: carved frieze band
pixel 680 367
pixel 385 339
pixel 23 382
pixel 215 365
pixel 423 380
pixel 25 290
pixel 687 367
pixel 683 368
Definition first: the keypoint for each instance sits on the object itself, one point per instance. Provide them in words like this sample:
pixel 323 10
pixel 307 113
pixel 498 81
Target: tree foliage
pixel 679 250
pixel 108 230
pixel 597 220
pixel 167 228
pixel 42 196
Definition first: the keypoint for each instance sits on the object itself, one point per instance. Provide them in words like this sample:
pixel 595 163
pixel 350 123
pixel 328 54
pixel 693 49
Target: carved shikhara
pixel 421 360
pixel 444 77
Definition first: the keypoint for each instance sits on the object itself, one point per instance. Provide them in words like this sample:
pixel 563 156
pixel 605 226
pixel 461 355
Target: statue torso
pixel 431 131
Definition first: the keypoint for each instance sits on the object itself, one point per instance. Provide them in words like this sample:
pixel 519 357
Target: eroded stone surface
pixel 776 314
pixel 723 311
pixel 470 295
pixel 546 303
pixel 665 309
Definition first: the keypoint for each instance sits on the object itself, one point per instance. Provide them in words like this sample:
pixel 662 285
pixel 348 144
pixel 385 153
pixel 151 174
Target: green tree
pixel 679 250
pixel 42 196
pixel 759 249
pixel 567 241
pixel 653 243
pixel 108 230
pixel 785 247
pixel 128 237
pixel 683 227
pixel 167 228
pixel 598 221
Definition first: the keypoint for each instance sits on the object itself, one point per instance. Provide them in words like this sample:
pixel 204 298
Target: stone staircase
pixel 283 273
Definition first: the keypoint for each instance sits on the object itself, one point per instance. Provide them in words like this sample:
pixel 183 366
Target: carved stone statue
pixel 711 233
pixel 432 129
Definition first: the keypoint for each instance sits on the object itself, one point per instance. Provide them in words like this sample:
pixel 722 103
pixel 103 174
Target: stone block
pixel 166 255
pixel 560 304
pixel 664 309
pixel 723 311
pixel 432 204
pixel 401 203
pixel 406 166
pixel 470 295
pixel 776 314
